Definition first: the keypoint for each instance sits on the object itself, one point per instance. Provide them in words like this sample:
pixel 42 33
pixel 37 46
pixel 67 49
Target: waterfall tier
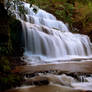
pixel 45 36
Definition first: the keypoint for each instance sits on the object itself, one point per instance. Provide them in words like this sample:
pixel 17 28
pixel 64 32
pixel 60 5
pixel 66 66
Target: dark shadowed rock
pixel 3 24
pixel 38 81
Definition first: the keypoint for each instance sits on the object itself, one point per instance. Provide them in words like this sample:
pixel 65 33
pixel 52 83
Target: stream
pixel 49 41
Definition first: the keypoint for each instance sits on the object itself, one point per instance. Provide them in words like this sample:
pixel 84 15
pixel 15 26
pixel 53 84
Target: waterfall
pixel 47 37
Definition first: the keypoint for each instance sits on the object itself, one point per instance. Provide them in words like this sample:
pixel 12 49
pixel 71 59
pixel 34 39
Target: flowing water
pixel 48 40
pixel 58 83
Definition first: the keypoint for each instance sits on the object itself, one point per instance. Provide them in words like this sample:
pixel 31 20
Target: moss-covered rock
pixel 3 24
pixel 11 37
pixel 7 78
pixel 16 36
pixel 10 45
pixel 4 34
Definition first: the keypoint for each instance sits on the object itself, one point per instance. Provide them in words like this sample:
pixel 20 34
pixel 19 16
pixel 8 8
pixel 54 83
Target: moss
pixel 10 45
pixel 10 35
pixel 7 78
pixel 16 36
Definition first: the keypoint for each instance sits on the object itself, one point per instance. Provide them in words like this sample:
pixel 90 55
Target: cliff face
pixel 4 35
pixel 3 21
pixel 10 34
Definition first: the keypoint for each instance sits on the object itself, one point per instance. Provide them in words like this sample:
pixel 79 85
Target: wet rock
pixel 3 24
pixel 17 38
pixel 41 82
pixel 38 81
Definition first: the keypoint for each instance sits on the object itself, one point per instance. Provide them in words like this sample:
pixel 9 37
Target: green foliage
pixel 40 3
pixel 31 1
pixel 17 4
pixel 66 13
pixel 4 65
pixel 5 48
pixel 89 17
pixel 84 1
pixel 16 36
pixel 7 78
pixel 4 51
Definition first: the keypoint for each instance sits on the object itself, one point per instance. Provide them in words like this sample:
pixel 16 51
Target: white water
pixel 64 81
pixel 58 83
pixel 48 39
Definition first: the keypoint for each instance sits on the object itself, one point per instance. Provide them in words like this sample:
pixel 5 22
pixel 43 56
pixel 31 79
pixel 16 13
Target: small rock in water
pixel 41 82
pixel 38 81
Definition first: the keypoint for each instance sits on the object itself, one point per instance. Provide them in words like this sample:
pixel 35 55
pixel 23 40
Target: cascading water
pixel 45 39
pixel 49 38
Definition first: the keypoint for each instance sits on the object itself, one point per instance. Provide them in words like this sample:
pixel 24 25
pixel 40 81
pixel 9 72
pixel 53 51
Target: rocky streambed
pixel 63 77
